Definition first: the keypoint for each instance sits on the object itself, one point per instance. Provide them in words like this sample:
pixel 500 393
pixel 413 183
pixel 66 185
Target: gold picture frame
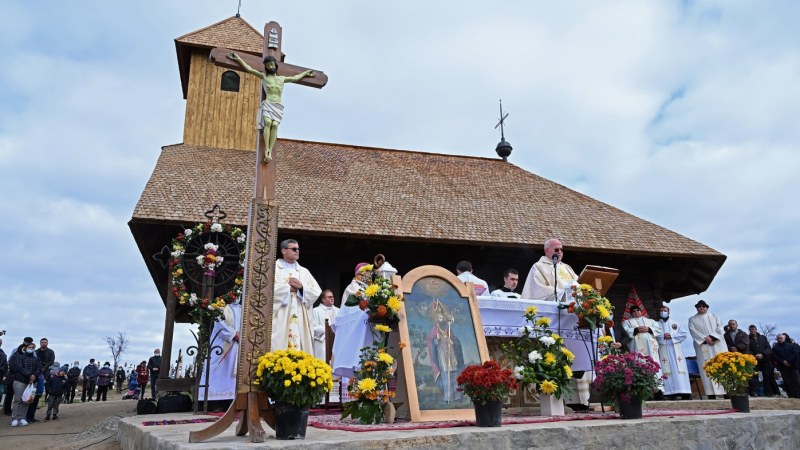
pixel 440 323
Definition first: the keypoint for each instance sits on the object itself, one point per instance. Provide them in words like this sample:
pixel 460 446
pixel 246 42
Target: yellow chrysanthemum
pixel 570 356
pixel 604 314
pixel 371 290
pixel 568 369
pixel 287 383
pixel 365 268
pixel 587 287
pixel 385 358
pixel 548 387
pixel 531 310
pixel 394 303
pixel 605 339
pixel 367 384
pixel 382 328
pixel 543 322
pixel 549 359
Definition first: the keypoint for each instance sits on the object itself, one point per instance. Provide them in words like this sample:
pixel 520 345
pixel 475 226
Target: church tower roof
pixel 233 33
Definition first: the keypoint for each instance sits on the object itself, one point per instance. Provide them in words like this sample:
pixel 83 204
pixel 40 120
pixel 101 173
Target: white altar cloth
pixel 506 317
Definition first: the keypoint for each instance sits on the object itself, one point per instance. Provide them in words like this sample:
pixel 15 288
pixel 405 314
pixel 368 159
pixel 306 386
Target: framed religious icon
pixel 440 324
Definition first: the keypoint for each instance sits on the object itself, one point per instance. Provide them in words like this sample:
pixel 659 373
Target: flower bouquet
pixel 541 358
pixel 590 307
pixel 487 382
pixel 293 377
pixel 378 295
pixel 370 385
pixel 732 371
pixel 630 378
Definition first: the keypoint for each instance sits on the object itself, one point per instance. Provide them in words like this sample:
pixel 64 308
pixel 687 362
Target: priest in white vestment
pixel 352 330
pixel 643 332
pixel 295 293
pixel 510 282
pixel 464 273
pixel 707 335
pixel 544 274
pixel 324 311
pixel 673 363
pixel 225 335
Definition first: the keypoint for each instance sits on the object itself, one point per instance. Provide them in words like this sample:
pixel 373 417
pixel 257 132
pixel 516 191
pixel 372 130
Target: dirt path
pixel 91 425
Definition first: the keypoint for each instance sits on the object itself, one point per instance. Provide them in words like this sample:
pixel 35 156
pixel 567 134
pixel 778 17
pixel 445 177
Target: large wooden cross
pixel 256 330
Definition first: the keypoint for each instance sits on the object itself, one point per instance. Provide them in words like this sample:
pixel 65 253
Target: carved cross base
pixel 254 407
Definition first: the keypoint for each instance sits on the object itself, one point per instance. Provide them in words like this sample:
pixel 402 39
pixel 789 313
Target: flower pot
pixel 488 415
pixel 291 421
pixel 550 405
pixel 629 407
pixel 740 403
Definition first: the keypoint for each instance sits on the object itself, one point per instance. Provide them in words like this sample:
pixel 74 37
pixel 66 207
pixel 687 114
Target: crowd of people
pixel 28 373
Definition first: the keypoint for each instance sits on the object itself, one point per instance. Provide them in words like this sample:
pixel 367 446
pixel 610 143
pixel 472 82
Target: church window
pixel 230 81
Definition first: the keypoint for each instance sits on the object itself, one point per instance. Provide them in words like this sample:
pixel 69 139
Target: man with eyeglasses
pixel 295 293
pixel 549 271
pixel 708 338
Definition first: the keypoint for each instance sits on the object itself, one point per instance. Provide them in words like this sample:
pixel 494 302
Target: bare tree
pixel 117 345
pixel 768 330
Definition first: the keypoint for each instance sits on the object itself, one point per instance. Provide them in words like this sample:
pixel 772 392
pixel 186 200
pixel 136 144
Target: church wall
pixel 217 118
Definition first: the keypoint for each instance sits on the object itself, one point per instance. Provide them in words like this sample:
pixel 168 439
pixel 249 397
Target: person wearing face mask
pixel 73 376
pixel 673 364
pixel 25 368
pixel 154 367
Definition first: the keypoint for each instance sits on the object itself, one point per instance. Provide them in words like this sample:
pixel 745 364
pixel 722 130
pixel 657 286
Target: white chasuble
pixel 291 311
pixel 700 326
pixel 673 363
pixel 539 284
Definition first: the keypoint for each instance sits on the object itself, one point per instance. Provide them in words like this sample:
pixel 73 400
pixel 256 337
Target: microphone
pixel 555 259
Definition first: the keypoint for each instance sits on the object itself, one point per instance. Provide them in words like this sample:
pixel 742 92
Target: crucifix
pixel 256 330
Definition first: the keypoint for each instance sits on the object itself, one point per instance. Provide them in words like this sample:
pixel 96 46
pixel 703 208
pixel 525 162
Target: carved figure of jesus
pixel 270 113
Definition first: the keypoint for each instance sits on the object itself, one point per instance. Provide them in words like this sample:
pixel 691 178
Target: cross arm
pixel 219 56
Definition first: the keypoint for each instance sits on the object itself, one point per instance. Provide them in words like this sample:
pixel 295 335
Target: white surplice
pixel 539 284
pixel 673 363
pixel 291 311
pixel 222 385
pixel 643 343
pixel 700 326
pixel 318 317
pixel 352 334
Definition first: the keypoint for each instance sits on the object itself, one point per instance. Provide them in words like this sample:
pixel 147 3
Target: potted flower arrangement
pixel 591 308
pixel 543 361
pixel 732 371
pixel 630 378
pixel 379 296
pixel 294 381
pixel 370 385
pixel 488 386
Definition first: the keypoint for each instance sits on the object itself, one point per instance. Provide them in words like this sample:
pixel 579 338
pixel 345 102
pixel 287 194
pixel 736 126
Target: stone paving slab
pixel 757 430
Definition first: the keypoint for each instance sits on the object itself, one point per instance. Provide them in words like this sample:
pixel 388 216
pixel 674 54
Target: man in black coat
pixel 759 347
pixel 736 339
pixel 73 376
pixel 154 367
pixel 89 381
pixel 786 355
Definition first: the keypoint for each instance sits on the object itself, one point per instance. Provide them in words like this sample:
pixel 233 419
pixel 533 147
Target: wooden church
pixel 342 204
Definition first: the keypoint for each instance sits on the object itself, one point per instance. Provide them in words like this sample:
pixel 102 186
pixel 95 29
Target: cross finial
pixel 502 121
pixel 503 148
pixel 215 214
pixel 239 8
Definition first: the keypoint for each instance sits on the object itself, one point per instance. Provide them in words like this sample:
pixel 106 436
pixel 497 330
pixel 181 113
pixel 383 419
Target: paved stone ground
pixel 91 425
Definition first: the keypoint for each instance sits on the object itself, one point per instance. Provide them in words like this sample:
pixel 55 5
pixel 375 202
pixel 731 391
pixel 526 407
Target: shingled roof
pixel 233 33
pixel 348 190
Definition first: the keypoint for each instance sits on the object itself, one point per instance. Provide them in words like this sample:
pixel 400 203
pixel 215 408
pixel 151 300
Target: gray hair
pixel 285 243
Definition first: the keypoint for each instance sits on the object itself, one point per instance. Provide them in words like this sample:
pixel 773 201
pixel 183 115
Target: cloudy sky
pixel 683 113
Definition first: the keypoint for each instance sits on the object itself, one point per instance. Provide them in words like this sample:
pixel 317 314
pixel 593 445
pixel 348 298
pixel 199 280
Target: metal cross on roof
pixel 502 121
pixel 503 148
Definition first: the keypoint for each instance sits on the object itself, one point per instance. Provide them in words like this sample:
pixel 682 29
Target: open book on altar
pixel 601 278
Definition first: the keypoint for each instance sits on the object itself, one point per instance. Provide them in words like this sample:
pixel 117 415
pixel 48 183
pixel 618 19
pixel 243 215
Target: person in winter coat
pixel 104 377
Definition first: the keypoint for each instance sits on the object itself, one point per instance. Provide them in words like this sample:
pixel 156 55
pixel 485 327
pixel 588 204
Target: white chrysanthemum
pixel 534 356
pixel 518 372
pixel 524 330
pixel 547 340
pixel 241 238
pixel 216 227
pixel 177 254
pixel 211 246
pixel 200 259
pixel 187 232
